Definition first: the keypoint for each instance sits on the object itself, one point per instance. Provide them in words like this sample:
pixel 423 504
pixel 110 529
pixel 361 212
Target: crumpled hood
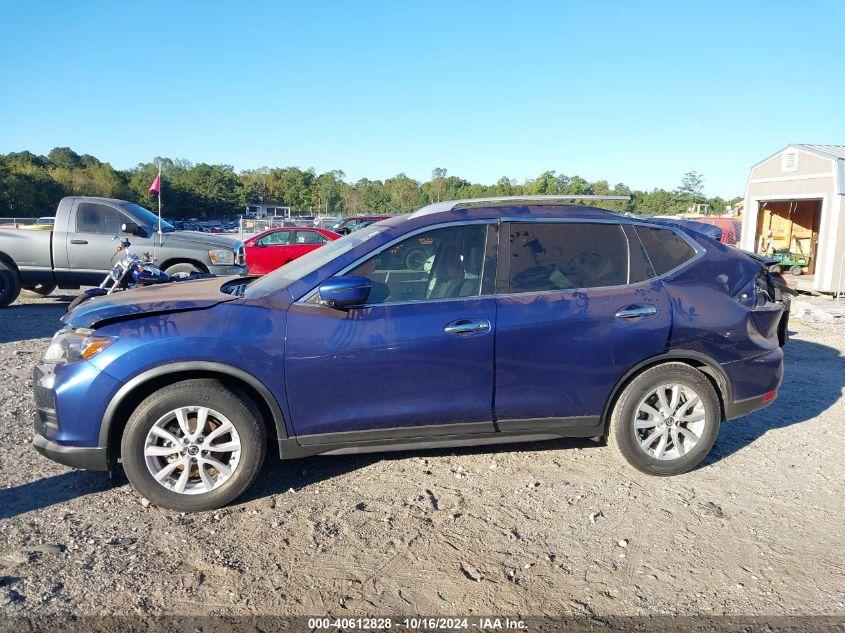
pixel 175 296
pixel 211 240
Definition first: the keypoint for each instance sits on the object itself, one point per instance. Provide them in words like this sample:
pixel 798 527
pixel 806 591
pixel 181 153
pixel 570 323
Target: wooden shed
pixel 794 209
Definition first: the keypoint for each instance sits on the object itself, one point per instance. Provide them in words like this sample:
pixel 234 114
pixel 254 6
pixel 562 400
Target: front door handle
pixel 79 241
pixel 466 326
pixel 632 312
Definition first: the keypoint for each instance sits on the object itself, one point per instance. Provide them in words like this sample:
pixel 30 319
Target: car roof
pixel 511 210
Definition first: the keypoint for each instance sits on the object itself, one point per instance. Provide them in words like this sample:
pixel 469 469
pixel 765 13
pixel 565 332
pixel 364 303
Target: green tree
pixel 403 194
pixel 692 185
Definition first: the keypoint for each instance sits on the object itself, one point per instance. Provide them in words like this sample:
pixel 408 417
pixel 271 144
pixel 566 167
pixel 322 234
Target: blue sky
pixel 625 91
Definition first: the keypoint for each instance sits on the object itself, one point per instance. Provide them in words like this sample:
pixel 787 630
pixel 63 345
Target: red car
pixel 277 246
pixel 731 229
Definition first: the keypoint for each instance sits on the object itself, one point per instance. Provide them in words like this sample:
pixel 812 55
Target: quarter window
pixel 566 255
pixel 665 248
pixel 445 263
pixel 98 218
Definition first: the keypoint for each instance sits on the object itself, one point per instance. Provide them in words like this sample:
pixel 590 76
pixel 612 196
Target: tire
pixel 86 294
pixel 183 269
pixel 626 440
pixel 224 405
pixel 39 290
pixel 796 270
pixel 10 284
pixel 775 270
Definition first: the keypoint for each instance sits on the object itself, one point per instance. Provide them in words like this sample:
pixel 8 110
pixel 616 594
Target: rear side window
pixel 310 237
pixel 666 249
pixel 98 218
pixel 566 255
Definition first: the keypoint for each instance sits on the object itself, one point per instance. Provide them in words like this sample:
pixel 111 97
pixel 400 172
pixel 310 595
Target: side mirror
pixel 345 292
pixel 129 227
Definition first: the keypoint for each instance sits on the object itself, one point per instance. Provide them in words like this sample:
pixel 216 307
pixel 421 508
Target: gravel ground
pixel 556 528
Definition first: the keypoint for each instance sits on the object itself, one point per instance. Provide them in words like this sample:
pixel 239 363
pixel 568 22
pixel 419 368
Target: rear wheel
pixel 666 420
pixel 39 289
pixel 796 270
pixel 194 445
pixel 10 284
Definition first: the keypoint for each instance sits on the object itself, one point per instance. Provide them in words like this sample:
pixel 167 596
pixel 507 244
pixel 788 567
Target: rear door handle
pixel 632 312
pixel 79 241
pixel 466 326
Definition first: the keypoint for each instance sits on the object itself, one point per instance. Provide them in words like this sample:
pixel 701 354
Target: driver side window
pixel 98 218
pixel 279 238
pixel 444 263
pixel 566 256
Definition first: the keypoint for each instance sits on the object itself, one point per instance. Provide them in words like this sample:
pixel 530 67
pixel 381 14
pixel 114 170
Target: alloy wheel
pixel 669 421
pixel 192 450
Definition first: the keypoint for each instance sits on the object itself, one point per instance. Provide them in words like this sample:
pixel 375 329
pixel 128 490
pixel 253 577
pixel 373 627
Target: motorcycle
pixel 131 271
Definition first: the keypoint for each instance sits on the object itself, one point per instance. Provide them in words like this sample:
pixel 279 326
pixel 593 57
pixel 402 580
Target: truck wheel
pixel 796 270
pixel 40 289
pixel 194 445
pixel 666 420
pixel 182 270
pixel 10 284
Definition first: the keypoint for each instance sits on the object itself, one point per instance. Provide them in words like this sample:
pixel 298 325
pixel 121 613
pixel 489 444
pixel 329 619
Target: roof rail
pixel 448 205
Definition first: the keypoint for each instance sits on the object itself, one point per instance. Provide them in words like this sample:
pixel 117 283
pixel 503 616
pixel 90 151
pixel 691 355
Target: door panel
pixel 560 352
pixel 90 240
pixel 389 366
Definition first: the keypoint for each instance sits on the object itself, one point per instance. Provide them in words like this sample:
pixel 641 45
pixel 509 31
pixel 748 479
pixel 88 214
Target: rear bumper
pixel 754 382
pixel 739 408
pixel 89 458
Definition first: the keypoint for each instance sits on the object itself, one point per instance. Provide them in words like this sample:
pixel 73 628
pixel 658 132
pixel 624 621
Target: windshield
pixel 147 218
pixel 308 263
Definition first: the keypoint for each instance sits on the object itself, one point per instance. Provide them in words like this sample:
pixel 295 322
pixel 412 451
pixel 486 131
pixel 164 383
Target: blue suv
pixel 464 323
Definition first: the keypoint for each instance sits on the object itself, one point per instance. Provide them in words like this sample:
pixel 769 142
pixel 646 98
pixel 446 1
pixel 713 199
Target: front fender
pixel 233 339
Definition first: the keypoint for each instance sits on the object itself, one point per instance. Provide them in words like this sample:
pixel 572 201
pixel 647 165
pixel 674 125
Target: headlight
pixel 222 256
pixel 70 345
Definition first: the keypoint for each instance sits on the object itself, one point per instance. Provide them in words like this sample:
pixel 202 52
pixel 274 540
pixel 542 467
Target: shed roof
pixel 828 151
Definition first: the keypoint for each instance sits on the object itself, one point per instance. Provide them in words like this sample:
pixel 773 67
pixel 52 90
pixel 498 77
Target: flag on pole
pixel 156 186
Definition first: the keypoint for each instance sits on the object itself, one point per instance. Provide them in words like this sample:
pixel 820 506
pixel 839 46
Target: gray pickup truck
pixel 80 249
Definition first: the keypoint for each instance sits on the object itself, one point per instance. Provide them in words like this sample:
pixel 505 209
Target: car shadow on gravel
pixel 814 376
pixel 43 493
pixel 279 476
pixel 33 320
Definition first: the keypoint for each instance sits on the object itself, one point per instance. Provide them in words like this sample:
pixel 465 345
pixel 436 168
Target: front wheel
pixel 183 270
pixel 666 420
pixel 194 445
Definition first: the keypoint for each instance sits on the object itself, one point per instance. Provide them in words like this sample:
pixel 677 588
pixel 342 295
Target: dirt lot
pixel 557 528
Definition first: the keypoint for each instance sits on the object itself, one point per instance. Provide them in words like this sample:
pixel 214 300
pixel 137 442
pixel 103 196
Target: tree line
pixel 32 185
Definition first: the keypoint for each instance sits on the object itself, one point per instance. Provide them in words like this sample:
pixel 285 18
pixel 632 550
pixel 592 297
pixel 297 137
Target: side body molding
pixel 204 366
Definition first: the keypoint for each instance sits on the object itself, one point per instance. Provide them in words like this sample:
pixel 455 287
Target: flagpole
pixel 159 200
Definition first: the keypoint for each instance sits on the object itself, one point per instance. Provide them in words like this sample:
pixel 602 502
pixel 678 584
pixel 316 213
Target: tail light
pixel 754 295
